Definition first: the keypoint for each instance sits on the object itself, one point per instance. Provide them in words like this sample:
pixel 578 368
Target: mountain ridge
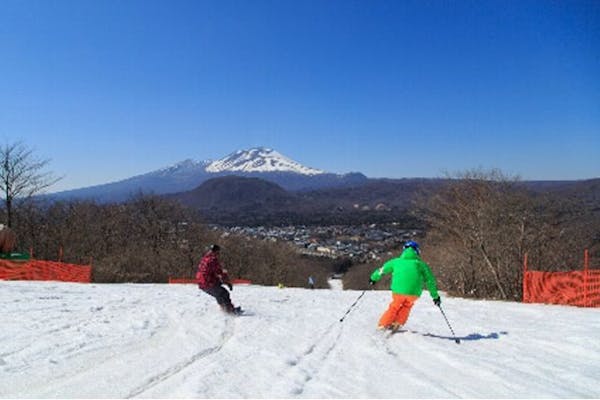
pixel 309 185
pixel 258 162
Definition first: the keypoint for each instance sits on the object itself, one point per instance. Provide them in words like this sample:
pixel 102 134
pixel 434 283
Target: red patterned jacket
pixel 210 273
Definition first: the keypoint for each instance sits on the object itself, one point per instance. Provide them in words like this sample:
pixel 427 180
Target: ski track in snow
pixel 310 361
pixel 177 368
pixel 62 340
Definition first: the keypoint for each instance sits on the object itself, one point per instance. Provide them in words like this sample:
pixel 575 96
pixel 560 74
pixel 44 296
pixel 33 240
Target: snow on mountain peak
pixel 182 167
pixel 260 159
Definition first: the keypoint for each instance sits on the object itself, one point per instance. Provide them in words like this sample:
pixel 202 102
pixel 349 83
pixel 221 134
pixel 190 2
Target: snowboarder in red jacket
pixel 211 276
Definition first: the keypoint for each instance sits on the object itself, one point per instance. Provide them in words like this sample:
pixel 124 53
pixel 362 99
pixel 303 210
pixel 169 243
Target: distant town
pixel 360 243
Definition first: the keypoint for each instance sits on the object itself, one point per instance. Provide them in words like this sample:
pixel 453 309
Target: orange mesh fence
pixel 182 280
pixel 575 288
pixel 190 280
pixel 593 289
pixel 14 270
pixel 38 270
pixel 241 282
pixel 571 288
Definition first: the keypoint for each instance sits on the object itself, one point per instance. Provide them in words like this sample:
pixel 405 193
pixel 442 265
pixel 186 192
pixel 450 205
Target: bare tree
pixel 480 225
pixel 483 219
pixel 21 175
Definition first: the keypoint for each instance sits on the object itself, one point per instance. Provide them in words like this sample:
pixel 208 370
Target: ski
pixel 392 330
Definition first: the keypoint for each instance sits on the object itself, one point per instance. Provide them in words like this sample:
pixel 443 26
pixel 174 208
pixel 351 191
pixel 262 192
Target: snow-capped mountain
pixel 186 175
pixel 184 167
pixel 259 159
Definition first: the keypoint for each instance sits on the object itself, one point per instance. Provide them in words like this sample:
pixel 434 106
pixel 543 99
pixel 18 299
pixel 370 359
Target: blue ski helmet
pixel 414 245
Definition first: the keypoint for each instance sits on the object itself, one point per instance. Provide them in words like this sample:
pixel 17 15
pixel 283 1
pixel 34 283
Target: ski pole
pixel 457 340
pixel 353 304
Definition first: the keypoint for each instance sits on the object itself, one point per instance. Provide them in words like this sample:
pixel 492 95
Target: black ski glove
pixel 229 285
pixel 371 282
pixel 437 301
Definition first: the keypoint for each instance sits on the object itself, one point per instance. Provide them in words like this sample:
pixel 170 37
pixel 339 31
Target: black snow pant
pixel 222 296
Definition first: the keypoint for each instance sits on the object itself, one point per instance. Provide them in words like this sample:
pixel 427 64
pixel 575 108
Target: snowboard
pixel 239 312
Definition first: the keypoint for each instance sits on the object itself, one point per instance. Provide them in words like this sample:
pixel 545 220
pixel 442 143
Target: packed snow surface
pixel 65 340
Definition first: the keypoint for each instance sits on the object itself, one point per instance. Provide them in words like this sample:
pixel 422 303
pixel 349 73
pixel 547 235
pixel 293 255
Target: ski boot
pixel 237 310
pixel 230 309
pixel 393 328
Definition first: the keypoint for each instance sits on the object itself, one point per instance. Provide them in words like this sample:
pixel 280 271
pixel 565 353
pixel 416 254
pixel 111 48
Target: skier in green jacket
pixel 409 274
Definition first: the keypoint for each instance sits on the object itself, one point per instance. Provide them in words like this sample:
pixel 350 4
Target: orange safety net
pixel 190 280
pixel 39 270
pixel 576 288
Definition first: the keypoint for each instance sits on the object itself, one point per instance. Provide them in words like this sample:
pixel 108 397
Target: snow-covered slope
pixel 62 340
pixel 259 159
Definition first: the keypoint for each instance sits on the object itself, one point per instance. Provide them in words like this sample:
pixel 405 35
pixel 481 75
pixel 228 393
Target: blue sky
pixel 111 89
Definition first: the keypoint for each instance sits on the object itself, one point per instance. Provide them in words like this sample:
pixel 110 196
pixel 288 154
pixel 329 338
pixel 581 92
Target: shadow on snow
pixel 470 337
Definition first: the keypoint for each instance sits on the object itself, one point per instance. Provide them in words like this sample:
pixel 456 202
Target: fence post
pixel 524 278
pixel 586 262
pixel 31 252
pixel 60 254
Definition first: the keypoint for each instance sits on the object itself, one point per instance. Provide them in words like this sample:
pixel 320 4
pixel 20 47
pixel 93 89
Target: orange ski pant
pixel 398 310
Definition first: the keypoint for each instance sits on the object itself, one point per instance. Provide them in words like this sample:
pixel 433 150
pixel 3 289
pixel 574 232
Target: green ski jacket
pixel 409 274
